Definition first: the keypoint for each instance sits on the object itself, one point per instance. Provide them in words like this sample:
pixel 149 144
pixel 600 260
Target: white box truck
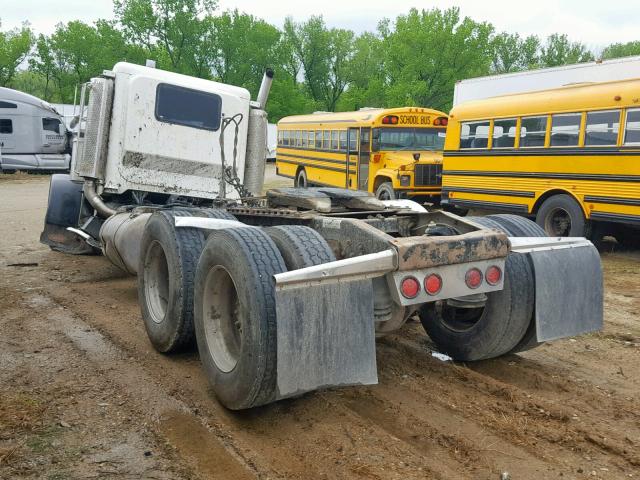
pixel 545 78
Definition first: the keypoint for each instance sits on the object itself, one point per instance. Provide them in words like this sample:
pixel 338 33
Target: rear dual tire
pixel 168 260
pixel 505 324
pixel 235 313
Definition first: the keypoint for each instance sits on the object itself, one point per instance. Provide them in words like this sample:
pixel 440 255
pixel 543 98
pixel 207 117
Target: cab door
pixel 353 135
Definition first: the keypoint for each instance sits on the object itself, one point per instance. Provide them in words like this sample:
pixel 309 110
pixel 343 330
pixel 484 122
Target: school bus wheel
pixel 385 191
pixel 301 180
pixel 562 216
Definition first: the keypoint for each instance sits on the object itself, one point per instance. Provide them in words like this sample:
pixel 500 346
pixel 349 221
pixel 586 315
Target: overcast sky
pixel 593 22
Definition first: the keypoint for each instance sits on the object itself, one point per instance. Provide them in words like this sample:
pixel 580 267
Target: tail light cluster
pixel 410 286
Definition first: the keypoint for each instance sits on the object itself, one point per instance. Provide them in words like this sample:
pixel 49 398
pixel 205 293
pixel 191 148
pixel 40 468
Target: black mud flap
pixel 326 336
pixel 569 291
pixel 64 209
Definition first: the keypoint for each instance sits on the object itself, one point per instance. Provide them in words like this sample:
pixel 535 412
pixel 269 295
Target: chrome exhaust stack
pixel 256 156
pixel 265 87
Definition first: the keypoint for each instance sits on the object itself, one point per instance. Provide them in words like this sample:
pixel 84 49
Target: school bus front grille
pixel 428 175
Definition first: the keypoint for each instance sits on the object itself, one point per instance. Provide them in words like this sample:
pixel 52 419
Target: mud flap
pixel 325 336
pixel 569 290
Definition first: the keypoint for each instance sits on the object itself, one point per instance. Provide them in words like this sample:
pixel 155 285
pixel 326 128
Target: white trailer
pixel 545 78
pixel 32 134
pixel 286 293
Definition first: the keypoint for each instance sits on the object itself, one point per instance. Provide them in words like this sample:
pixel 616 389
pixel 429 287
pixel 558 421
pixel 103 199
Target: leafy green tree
pixel 618 50
pixel 512 53
pixel 242 48
pixel 427 51
pixel 325 57
pixel 559 50
pixel 14 47
pixel 368 79
pixel 170 30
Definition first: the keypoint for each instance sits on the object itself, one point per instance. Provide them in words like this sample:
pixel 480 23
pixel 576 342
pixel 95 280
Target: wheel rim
pixel 458 319
pixel 558 223
pixel 156 281
pixel 222 318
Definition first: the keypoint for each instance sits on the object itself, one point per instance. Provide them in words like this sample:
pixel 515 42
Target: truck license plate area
pixel 452 280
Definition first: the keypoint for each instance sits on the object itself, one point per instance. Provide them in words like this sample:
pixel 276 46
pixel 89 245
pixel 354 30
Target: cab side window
pixel 6 125
pixel 51 124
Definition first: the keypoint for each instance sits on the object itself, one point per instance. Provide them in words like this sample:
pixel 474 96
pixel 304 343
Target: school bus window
pixel 474 135
pixel 602 128
pixel 343 140
pixel 312 138
pixel 353 141
pixel 632 127
pixel 565 129
pixel 504 133
pixel 334 140
pixel 326 141
pixel 305 138
pixel 533 131
pixel 298 138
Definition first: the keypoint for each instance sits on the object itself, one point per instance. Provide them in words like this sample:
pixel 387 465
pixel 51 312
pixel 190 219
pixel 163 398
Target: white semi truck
pixel 33 136
pixel 545 78
pixel 285 293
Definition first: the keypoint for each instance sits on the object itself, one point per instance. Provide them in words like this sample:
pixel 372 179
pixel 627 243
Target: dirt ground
pixel 84 395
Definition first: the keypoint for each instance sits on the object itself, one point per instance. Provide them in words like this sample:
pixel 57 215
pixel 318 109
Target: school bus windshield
pixel 411 139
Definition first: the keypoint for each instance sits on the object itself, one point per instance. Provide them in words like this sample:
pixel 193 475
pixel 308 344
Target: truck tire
pixel 385 191
pixel 468 334
pixel 235 315
pixel 168 259
pixel 301 180
pixel 512 225
pixel 518 226
pixel 300 246
pixel 562 216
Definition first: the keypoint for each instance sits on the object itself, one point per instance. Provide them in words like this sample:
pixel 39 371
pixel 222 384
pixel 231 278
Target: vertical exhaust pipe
pixel 265 86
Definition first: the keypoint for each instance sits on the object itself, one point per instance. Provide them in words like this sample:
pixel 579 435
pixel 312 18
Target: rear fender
pixel 65 209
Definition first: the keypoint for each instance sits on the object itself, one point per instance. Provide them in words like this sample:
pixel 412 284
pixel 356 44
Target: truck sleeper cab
pixel 285 293
pixel 33 136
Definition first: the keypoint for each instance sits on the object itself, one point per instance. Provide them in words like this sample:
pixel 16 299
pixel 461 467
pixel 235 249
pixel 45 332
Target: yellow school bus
pixel 568 156
pixel 394 153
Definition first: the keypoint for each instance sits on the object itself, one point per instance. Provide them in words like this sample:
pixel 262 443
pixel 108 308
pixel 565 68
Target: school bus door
pixel 363 158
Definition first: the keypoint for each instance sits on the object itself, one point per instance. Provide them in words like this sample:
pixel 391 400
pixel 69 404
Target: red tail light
pixel 433 284
pixel 441 122
pixel 390 120
pixel 493 275
pixel 473 278
pixel 409 287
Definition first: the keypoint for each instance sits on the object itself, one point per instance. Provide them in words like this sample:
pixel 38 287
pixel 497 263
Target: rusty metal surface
pixel 425 252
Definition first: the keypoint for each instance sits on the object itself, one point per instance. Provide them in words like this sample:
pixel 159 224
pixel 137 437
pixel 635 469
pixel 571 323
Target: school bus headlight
pixel 405 180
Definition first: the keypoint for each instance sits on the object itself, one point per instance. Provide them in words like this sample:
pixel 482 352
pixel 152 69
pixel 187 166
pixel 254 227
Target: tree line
pixel 413 60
